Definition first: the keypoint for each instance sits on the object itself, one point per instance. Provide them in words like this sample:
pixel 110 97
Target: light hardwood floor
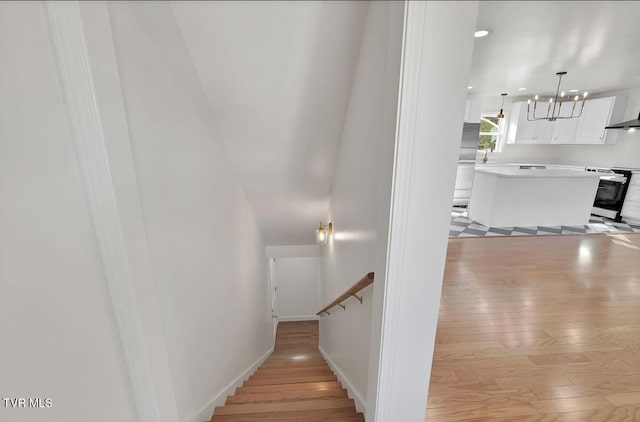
pixel 540 328
pixel 293 384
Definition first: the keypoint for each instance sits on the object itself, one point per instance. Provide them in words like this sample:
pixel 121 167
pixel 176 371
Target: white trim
pixel 73 61
pixel 289 318
pixel 397 228
pixel 430 90
pixel 361 403
pixel 274 320
pixel 206 411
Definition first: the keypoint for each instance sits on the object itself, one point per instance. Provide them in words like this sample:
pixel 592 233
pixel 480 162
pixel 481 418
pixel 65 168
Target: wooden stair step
pixel 292 349
pixel 291 380
pixel 311 365
pixel 312 354
pixel 296 358
pixel 295 406
pixel 293 359
pixel 288 372
pixel 324 415
pixel 277 395
pixel 274 364
pixel 325 385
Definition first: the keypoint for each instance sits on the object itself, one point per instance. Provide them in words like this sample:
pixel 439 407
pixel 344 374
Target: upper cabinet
pixel 589 128
pixel 523 131
pixel 595 116
pixel 472 112
pixel 565 130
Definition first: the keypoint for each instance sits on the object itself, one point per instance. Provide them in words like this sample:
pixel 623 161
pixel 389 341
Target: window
pixel 490 133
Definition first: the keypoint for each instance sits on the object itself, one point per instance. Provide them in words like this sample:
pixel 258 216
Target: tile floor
pixel 461 226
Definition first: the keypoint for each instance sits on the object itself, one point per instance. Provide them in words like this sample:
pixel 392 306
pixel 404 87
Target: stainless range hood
pixel 630 124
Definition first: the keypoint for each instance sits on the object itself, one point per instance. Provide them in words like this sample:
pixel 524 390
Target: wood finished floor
pixel 539 329
pixel 293 384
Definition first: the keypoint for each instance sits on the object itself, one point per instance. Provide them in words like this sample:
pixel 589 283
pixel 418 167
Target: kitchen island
pixel 507 196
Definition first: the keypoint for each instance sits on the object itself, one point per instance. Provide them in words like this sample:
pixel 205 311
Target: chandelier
pixel 554 106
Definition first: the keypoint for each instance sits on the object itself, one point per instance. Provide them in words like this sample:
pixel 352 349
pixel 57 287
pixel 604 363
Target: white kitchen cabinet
pixel 464 180
pixel 631 207
pixel 472 111
pixel 543 131
pixel 595 116
pixel 520 129
pixel 564 130
pixel 589 128
pixel 523 131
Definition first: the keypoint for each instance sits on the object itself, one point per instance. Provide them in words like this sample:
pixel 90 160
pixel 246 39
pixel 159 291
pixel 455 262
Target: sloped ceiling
pixel 278 77
pixel 596 42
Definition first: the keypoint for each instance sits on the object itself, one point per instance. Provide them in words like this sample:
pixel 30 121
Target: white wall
pixel 360 195
pixel 293 251
pixel 297 282
pixel 58 337
pixel 625 152
pixel 205 247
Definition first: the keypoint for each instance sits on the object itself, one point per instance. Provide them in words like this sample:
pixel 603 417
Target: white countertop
pixel 557 173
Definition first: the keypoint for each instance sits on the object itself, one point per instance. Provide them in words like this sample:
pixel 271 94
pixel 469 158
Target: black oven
pixel 610 195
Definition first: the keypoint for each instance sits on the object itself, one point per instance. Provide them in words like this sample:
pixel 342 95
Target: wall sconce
pixel 323 233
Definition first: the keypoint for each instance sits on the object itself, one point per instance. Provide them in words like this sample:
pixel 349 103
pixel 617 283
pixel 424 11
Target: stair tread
pixel 323 415
pixel 277 395
pixel 294 379
pixel 239 409
pixel 289 387
pixel 312 366
pixel 289 372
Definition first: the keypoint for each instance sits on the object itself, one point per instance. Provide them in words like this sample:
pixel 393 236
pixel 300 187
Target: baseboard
pixel 205 412
pixel 361 404
pixel 298 318
pixel 631 220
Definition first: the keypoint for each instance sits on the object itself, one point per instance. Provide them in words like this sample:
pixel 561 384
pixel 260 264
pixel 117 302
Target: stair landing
pixel 294 384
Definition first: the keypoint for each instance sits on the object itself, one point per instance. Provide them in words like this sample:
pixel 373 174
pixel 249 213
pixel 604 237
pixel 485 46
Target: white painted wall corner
pixel 361 403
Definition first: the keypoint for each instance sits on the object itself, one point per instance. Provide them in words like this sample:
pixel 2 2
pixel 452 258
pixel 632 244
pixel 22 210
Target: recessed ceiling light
pixel 481 33
pixel 522 89
pixel 469 87
pixel 573 90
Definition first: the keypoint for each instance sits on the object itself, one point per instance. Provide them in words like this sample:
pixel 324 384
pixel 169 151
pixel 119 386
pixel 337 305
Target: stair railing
pixel 351 292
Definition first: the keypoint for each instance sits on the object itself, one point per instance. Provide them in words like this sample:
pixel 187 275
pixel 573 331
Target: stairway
pixel 293 384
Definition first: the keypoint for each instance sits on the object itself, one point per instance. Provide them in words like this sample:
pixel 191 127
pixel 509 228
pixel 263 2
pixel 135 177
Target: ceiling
pixel 278 77
pixel 596 42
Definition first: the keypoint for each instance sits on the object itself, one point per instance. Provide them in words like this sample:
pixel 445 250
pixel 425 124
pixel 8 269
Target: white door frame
pixel 436 59
pixel 272 295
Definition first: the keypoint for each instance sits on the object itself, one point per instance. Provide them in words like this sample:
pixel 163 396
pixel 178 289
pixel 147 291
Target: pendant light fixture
pixel 501 114
pixel 555 105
